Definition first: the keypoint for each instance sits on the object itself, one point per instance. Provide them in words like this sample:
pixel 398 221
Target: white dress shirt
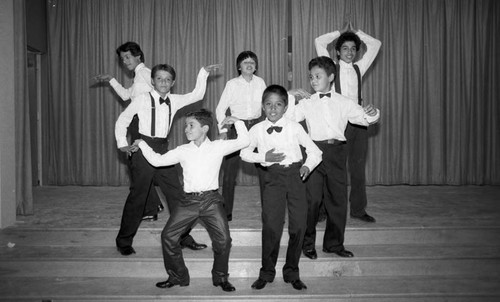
pixel 288 141
pixel 243 98
pixel 141 105
pixel 327 117
pixel 348 77
pixel 142 83
pixel 200 165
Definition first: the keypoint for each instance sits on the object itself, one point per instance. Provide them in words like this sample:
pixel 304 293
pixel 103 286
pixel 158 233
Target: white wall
pixel 7 116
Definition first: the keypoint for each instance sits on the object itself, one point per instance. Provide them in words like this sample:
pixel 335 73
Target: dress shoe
pixel 297 284
pixel 230 217
pixel 260 284
pixel 150 218
pixel 160 208
pixel 365 218
pixel 226 286
pixel 170 283
pixel 126 251
pixel 342 253
pixel 195 246
pixel 311 254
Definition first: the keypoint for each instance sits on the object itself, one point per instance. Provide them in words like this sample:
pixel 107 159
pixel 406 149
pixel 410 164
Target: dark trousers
pixel 143 176
pixel 357 146
pixel 330 173
pixel 208 208
pixel 153 200
pixel 283 189
pixel 231 167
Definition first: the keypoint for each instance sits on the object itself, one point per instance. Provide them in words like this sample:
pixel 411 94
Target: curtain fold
pixel 435 78
pixel 24 194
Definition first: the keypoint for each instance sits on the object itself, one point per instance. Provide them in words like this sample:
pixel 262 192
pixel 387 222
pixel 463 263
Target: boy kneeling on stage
pixel 201 160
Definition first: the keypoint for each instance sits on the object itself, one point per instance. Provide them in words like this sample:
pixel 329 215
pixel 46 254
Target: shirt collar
pixel 140 66
pixel 156 95
pixel 281 122
pixel 345 65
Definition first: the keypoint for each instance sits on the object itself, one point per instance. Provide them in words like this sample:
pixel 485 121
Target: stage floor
pixel 84 207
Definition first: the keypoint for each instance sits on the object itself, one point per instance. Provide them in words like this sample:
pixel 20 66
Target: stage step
pixel 390 264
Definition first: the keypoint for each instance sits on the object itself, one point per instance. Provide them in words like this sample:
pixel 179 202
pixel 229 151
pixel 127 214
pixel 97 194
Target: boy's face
pixel 194 130
pixel 319 80
pixel 129 60
pixel 248 66
pixel 347 51
pixel 274 107
pixel 163 82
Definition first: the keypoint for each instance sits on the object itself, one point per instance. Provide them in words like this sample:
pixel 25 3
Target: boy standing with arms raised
pixel 278 141
pixel 348 83
pixel 155 111
pixel 327 114
pixel 201 160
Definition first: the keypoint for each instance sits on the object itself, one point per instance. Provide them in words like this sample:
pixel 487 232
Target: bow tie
pixel 166 101
pixel 321 95
pixel 274 128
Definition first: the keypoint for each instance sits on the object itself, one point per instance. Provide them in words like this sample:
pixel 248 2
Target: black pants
pixel 209 209
pixel 283 189
pixel 231 167
pixel 357 146
pixel 330 173
pixel 143 177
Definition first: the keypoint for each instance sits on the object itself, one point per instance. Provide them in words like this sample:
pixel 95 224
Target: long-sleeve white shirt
pixel 327 117
pixel 142 83
pixel 141 105
pixel 288 141
pixel 200 164
pixel 347 74
pixel 243 98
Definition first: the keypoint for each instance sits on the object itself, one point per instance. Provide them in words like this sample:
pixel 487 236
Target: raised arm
pixel 372 48
pixel 243 139
pixel 159 160
pixel 321 43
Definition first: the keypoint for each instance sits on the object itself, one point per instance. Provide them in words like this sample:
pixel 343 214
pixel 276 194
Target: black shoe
pixel 150 218
pixel 126 251
pixel 170 283
pixel 260 284
pixel 230 217
pixel 195 246
pixel 365 218
pixel 160 208
pixel 226 286
pixel 311 254
pixel 297 284
pixel 342 253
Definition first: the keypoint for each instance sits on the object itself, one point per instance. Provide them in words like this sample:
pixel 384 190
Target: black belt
pixel 200 193
pixel 332 141
pixel 157 140
pixel 292 165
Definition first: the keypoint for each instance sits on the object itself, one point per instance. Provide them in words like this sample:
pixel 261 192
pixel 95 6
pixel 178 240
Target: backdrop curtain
pixel 435 80
pixel 187 34
pixel 24 193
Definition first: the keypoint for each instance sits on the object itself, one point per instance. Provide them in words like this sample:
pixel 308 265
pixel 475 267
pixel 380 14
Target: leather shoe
pixel 226 286
pixel 311 254
pixel 160 208
pixel 342 253
pixel 150 218
pixel 365 218
pixel 297 284
pixel 126 251
pixel 195 246
pixel 230 217
pixel 169 283
pixel 260 284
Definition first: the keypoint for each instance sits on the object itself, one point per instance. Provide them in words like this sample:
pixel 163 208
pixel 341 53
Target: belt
pixel 200 193
pixel 154 139
pixel 292 165
pixel 332 141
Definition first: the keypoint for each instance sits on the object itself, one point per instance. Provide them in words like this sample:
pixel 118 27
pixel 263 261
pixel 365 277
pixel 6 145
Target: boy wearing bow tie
pixel 327 114
pixel 156 111
pixel 278 142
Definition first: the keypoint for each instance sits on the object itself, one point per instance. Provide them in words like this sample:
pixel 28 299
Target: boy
pixel 327 114
pixel 201 160
pixel 348 83
pixel 155 111
pixel 278 141
pixel 131 56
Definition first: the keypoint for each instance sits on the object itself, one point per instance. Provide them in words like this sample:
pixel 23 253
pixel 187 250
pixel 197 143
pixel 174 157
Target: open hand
pixel 213 67
pixel 274 157
pixel 102 78
pixel 370 110
pixel 129 149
